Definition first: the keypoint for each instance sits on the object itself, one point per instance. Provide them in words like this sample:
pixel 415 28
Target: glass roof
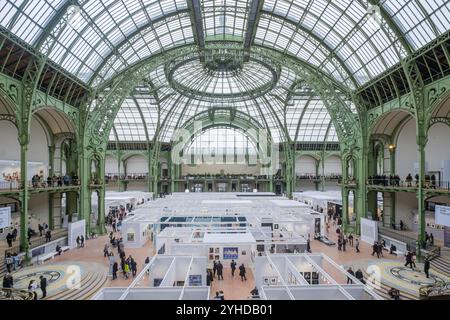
pixel 221 141
pixel 304 115
pixel 345 38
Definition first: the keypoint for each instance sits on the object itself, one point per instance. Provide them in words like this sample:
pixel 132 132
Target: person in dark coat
pixel 114 270
pixel 219 271
pixel 8 283
pixel 242 272
pixel 409 260
pixel 43 286
pixel 9 239
pixel 426 267
pixel 233 267
pixel 133 267
pixel 214 268
pixel 351 272
pixel 209 277
pixel 359 275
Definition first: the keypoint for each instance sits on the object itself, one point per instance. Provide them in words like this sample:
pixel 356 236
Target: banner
pixel 442 215
pixel 5 217
pixel 446 236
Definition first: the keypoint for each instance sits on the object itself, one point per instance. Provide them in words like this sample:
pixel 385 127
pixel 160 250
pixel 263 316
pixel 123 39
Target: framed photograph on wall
pixel 273 280
pixel 266 281
pixel 211 250
pixel 211 256
pixel 217 250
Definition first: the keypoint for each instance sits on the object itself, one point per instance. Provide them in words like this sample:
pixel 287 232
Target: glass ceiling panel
pixel 224 17
pixel 106 36
pixel 27 19
pixel 221 141
pixel 421 21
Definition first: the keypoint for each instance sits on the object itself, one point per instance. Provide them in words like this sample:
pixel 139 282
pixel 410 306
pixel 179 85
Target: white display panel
pixel 76 229
pixel 5 217
pixel 369 231
pixel 442 216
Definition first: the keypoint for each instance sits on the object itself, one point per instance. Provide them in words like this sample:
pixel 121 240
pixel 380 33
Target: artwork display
pixel 230 253
pixel 130 236
pixel 217 250
pixel 195 280
pixel 211 256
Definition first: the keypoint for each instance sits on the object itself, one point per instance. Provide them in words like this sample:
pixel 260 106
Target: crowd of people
pixel 128 265
pixel 38 181
pixel 8 286
pixel 394 180
pixel 114 218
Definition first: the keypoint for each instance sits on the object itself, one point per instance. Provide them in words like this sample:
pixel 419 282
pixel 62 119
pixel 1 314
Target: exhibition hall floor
pixel 91 257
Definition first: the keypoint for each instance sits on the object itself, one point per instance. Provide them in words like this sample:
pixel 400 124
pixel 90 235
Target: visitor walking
pixel 105 250
pixel 357 246
pixel 9 239
pixel 221 295
pixel 413 259
pixel 351 272
pixel 209 277
pixel 359 275
pixel 409 260
pixel 32 287
pixel 78 241
pixel 48 236
pixel 426 267
pixel 82 241
pixel 214 268
pixel 133 266
pixel 350 240
pixel 43 286
pixel 8 283
pixel 115 267
pixel 9 262
pixel 219 271
pixel 242 272
pixel 233 267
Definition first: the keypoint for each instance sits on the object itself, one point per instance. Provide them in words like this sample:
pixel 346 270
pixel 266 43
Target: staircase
pixel 2 268
pixel 383 290
pixel 441 265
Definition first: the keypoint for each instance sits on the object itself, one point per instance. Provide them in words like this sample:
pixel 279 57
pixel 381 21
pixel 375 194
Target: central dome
pixel 223 77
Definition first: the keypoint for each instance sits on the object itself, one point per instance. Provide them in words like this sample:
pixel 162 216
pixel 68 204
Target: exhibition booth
pixel 165 278
pixel 306 277
pixel 223 244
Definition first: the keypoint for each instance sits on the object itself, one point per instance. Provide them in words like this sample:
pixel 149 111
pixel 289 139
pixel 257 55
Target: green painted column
pixel 51 170
pixel 322 178
pixel 85 192
pixel 101 198
pixel 119 159
pixel 393 194
pixel 420 191
pixel 316 172
pixel 24 193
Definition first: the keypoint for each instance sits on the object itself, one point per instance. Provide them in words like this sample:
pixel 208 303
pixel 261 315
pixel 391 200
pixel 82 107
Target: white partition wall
pixel 369 230
pixel 169 278
pixel 76 229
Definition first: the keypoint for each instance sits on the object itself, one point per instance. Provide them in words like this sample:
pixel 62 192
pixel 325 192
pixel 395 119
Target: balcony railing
pixel 428 184
pixel 37 184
